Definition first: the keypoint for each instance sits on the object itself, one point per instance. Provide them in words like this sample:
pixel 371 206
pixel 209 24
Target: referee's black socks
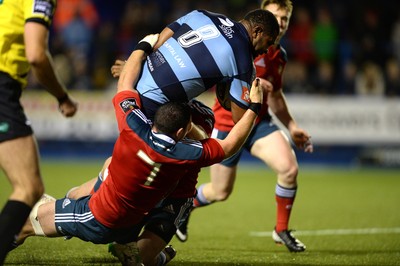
pixel 12 219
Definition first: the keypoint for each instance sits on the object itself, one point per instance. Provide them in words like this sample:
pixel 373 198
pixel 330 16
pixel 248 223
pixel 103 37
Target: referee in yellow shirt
pixel 24 32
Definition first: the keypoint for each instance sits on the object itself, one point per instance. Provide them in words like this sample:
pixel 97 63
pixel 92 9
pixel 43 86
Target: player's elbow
pixel 36 59
pixel 229 148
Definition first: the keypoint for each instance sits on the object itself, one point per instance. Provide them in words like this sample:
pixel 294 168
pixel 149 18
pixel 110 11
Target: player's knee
pixel 223 194
pixel 162 228
pixel 289 175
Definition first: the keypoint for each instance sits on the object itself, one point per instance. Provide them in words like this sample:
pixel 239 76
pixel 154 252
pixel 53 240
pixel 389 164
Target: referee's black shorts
pixel 13 122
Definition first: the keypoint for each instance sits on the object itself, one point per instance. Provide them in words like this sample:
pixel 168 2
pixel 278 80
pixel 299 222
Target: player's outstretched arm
pixel 239 133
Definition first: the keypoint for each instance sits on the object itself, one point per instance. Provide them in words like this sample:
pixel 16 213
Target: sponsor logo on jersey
pixel 176 56
pixel 128 104
pixel 227 22
pixel 245 94
pixel 44 7
pixel 155 59
pixel 226 27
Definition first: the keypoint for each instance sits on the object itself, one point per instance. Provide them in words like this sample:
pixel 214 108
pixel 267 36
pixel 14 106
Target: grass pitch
pixel 344 216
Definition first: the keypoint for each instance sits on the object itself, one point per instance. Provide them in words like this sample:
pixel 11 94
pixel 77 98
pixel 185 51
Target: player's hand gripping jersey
pixel 206 49
pixel 144 164
pixel 269 66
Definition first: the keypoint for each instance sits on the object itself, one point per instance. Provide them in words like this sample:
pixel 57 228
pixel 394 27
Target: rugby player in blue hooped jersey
pixel 203 49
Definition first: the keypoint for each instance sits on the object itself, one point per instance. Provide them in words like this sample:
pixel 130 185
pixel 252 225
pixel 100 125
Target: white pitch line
pixel 328 232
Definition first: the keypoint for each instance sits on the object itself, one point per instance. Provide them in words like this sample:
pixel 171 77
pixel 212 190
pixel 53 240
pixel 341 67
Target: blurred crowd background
pixel 335 47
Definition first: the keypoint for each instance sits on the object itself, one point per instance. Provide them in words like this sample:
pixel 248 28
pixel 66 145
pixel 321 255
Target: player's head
pixel 263 29
pixel 173 119
pixel 282 10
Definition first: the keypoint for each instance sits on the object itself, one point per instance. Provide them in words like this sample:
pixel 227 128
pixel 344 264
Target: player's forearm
pixel 43 70
pixel 279 107
pixel 239 133
pixel 131 70
pixel 165 34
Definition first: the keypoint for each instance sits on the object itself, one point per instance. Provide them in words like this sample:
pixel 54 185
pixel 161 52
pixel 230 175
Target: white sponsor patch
pixel 44 7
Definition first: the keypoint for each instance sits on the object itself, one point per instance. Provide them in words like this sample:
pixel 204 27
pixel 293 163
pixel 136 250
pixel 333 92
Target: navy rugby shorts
pixel 74 218
pixel 264 128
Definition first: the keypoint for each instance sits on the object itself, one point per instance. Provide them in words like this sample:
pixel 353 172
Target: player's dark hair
pixel 265 20
pixel 172 116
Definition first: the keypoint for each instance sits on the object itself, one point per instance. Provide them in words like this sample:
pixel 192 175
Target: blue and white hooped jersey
pixel 206 49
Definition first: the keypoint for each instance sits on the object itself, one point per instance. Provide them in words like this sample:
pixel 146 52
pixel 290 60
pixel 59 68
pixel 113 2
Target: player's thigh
pixel 22 168
pixel 275 150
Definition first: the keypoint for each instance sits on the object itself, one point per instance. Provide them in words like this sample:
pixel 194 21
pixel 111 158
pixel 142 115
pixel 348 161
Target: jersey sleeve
pixel 270 65
pixel 212 152
pixel 174 26
pixel 124 102
pixel 40 11
pixel 240 93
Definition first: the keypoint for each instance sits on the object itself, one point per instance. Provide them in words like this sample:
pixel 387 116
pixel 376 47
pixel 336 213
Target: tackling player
pixel 266 141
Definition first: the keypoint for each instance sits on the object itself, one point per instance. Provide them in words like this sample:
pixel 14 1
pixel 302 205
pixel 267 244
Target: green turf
pixel 222 234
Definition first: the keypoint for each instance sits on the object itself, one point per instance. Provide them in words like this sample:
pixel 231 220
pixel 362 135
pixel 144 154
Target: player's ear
pixel 180 134
pixel 257 31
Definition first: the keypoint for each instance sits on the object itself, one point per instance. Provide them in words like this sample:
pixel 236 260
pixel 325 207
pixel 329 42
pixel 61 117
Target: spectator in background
pixel 392 78
pixel 348 76
pixel 324 78
pixel 370 36
pixel 395 38
pixel 325 36
pixel 75 21
pixel 300 38
pixel 370 80
pixel 296 78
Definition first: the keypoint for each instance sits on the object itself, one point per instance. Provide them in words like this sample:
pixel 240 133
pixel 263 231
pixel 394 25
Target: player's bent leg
pixel 81 191
pixel 275 151
pixel 222 183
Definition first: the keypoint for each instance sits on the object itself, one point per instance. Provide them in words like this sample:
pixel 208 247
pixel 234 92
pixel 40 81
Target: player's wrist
pixel 63 99
pixel 255 107
pixel 144 46
pixel 147 43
